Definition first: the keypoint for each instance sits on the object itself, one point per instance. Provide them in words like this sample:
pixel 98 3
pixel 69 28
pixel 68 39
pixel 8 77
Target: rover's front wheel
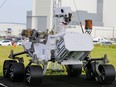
pixel 16 71
pixel 33 75
pixel 6 67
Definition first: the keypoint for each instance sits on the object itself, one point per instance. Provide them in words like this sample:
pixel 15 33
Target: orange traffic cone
pixel 14 45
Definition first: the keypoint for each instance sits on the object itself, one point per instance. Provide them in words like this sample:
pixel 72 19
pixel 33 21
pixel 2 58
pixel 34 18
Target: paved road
pixel 59 81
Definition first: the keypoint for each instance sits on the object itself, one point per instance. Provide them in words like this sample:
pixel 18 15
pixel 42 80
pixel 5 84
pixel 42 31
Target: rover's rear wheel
pixel 74 70
pixel 33 75
pixel 16 71
pixel 90 71
pixel 6 67
pixel 107 74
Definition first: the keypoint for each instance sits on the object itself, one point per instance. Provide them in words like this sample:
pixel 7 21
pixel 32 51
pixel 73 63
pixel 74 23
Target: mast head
pixel 65 13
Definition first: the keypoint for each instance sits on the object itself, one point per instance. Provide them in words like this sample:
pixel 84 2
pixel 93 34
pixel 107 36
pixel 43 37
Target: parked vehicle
pixel 15 40
pixel 5 43
pixel 19 43
pixel 106 43
pixel 98 39
pixel 113 39
pixel 8 39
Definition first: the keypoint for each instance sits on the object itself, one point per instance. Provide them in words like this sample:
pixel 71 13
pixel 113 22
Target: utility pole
pixel 113 33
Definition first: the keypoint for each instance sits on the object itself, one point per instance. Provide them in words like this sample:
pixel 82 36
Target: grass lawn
pixel 4 53
pixel 98 52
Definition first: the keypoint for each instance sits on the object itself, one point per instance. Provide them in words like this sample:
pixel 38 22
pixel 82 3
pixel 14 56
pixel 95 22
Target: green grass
pixel 97 52
pixel 4 53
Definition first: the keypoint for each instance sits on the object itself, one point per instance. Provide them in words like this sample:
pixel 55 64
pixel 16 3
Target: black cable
pixel 3 4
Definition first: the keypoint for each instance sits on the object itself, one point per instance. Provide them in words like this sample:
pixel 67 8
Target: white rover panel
pixel 73 47
pixel 78 42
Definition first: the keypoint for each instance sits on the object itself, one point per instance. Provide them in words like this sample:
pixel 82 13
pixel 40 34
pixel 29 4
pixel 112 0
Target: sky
pixel 15 10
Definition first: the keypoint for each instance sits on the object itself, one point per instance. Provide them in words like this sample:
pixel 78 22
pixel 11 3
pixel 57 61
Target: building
pixel 41 16
pixel 11 29
pixel 97 31
pixel 37 14
pixel 97 17
pixel 109 13
pixel 36 21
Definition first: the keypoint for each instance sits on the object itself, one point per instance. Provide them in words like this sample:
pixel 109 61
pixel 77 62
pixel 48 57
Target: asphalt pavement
pixel 59 81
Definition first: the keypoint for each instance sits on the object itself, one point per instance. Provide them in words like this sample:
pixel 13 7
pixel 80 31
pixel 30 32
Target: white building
pixel 42 14
pixel 11 29
pixel 98 31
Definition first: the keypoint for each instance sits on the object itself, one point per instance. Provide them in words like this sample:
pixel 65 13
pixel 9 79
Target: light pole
pixel 113 33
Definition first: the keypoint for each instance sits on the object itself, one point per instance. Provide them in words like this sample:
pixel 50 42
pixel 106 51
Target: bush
pixel 112 46
pixel 107 46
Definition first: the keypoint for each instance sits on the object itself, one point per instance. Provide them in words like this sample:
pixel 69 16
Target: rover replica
pixel 68 48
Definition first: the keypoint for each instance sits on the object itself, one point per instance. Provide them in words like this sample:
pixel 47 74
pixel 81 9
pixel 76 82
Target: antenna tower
pixel 57 3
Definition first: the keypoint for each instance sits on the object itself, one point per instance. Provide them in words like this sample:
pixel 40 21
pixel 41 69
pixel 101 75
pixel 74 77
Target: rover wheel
pixel 90 71
pixel 6 67
pixel 107 74
pixel 74 70
pixel 16 71
pixel 33 75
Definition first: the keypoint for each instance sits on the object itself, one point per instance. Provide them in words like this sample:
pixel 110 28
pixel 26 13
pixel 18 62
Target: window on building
pixel 9 30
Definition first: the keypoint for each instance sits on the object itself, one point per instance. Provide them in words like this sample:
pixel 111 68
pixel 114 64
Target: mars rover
pixel 69 48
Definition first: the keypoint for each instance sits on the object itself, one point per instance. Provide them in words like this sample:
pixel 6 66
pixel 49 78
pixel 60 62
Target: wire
pixel 78 16
pixel 3 4
pixel 76 10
